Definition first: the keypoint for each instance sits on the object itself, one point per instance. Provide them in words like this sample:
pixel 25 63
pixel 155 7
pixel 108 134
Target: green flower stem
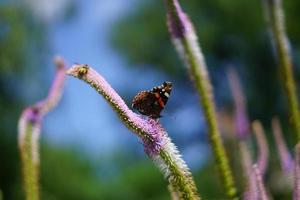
pixel 204 89
pixel 181 181
pixel 185 41
pixel 156 141
pixel 29 132
pixel 275 17
pixel 29 149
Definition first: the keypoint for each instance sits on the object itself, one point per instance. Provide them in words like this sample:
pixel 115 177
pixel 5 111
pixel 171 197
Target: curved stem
pixel 29 132
pixel 156 141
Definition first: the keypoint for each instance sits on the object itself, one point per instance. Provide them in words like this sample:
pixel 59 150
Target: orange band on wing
pixel 160 101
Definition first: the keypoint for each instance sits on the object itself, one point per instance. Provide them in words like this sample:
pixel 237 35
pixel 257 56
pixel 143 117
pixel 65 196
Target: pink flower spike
pixel 56 89
pixel 157 144
pixel 33 115
pixel 29 132
pixel 186 43
pixel 241 117
pixel 285 157
pixel 297 173
pixel 177 21
pixel 263 150
pixel 148 129
pixel 250 191
pixel 261 191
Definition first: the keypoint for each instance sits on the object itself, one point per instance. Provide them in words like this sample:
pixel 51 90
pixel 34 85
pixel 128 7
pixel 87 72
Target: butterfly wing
pixel 146 103
pixel 151 103
pixel 163 92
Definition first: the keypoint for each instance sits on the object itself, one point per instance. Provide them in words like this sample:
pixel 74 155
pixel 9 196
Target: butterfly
pixel 152 102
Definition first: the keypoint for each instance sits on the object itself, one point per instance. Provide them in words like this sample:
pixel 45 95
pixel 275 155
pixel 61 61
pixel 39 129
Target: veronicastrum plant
pixel 185 41
pixel 157 144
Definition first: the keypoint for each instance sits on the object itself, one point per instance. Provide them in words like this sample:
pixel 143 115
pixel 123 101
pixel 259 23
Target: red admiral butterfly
pixel 152 102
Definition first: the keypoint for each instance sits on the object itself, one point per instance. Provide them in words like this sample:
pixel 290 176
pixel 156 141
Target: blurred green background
pixel 231 33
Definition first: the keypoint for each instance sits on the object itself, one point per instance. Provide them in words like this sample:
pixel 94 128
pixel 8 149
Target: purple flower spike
pixel 56 89
pixel 148 129
pixel 286 160
pixel 261 191
pixel 263 150
pixel 157 144
pixel 250 192
pixel 186 43
pixel 177 21
pixel 297 173
pixel 32 116
pixel 29 131
pixel 241 117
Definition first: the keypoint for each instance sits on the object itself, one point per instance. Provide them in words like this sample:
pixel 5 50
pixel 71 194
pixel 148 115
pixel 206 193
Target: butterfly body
pixel 152 102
